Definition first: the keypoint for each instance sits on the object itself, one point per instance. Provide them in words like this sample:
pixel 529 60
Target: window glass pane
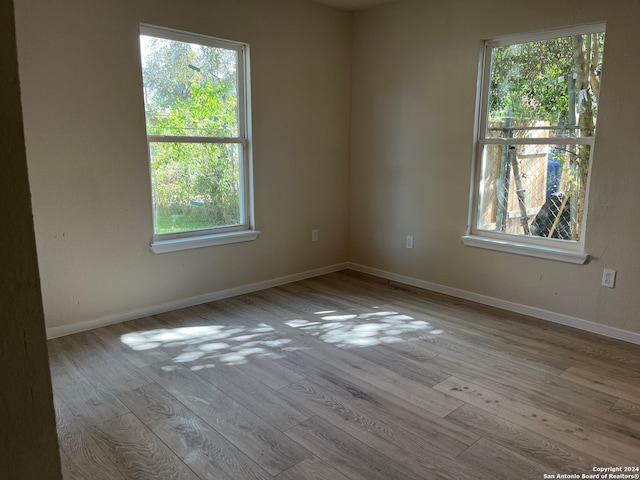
pixel 195 185
pixel 189 89
pixel 546 88
pixel 533 190
pixel 540 116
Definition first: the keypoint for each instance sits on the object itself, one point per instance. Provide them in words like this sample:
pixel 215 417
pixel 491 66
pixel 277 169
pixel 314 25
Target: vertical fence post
pixel 502 212
pixel 513 160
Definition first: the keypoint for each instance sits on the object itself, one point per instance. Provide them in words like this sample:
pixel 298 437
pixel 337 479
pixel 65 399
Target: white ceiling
pixel 354 4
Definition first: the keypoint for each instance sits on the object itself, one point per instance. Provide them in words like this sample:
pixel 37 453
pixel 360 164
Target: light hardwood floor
pixel 343 376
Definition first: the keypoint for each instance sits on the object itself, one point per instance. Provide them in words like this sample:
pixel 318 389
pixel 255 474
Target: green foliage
pixel 191 91
pixel 529 81
pixel 198 181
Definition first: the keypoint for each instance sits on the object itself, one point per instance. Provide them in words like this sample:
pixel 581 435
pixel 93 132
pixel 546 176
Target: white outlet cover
pixel 608 278
pixel 409 243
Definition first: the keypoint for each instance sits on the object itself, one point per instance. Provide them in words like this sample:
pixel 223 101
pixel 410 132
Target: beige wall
pixel 367 156
pixel 88 166
pixel 28 443
pixel 415 72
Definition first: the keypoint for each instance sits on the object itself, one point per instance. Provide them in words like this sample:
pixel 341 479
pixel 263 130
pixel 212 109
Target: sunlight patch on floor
pixel 364 329
pixel 217 344
pixel 207 346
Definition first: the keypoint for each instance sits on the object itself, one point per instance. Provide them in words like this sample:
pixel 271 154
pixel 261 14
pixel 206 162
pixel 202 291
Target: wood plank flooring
pixel 343 377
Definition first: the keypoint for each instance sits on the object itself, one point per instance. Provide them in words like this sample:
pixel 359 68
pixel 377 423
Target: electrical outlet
pixel 608 278
pixel 314 235
pixel 409 243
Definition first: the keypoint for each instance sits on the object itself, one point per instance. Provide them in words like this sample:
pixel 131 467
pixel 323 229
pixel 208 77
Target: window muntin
pixel 539 101
pixel 195 93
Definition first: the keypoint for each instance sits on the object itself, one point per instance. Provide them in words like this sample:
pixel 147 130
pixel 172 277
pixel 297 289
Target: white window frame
pixel 245 230
pixel 548 248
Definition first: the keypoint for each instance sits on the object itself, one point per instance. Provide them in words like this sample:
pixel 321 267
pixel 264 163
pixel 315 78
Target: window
pixel 537 119
pixel 197 119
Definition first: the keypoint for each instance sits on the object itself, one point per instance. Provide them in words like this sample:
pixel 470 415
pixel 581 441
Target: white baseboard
pixel 63 330
pixel 567 320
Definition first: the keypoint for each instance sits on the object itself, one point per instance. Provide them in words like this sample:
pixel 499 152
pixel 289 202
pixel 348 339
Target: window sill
pixel 187 243
pixel 549 253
